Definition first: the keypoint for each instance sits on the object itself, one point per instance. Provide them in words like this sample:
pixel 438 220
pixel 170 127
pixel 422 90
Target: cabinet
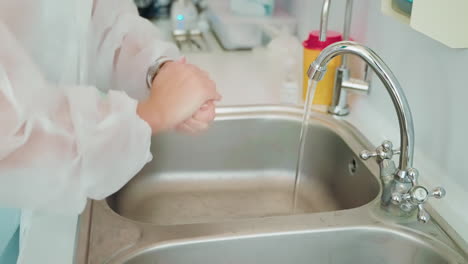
pixel 443 20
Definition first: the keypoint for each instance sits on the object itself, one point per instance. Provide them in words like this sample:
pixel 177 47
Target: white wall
pixel 434 78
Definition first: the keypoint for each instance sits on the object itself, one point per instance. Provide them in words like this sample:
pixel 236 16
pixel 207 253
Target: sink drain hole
pixel 352 166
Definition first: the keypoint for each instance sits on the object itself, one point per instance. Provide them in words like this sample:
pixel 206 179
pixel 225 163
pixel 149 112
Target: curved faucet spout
pixel 317 70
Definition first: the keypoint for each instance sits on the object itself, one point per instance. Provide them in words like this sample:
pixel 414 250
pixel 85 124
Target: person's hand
pixel 182 97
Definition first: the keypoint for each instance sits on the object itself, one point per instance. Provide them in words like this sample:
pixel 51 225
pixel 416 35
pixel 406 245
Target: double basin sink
pixel 228 196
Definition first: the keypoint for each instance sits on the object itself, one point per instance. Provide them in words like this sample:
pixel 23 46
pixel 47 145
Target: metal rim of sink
pixel 437 246
pixel 99 215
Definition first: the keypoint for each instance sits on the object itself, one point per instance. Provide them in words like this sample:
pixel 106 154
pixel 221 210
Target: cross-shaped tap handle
pixel 417 196
pixel 384 151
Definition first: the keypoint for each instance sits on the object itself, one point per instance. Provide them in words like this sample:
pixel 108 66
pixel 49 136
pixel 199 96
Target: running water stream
pixel 312 85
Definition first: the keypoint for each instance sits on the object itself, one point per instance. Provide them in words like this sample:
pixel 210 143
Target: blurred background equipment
pixel 153 8
pixel 240 24
pixel 252 7
pixel 184 16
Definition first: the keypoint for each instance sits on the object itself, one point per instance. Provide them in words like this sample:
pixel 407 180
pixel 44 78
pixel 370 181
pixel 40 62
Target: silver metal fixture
pixel 343 81
pixel 233 203
pixel 190 40
pixel 324 20
pixel 400 185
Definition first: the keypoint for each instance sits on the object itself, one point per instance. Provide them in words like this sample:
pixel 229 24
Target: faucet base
pixel 401 193
pixel 338 110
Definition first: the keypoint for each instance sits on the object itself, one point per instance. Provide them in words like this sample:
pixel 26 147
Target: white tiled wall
pixel 434 78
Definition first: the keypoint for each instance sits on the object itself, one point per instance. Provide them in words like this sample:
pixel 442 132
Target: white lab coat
pixel 70 71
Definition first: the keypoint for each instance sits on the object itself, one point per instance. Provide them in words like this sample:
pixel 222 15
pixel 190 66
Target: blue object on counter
pixel 9 235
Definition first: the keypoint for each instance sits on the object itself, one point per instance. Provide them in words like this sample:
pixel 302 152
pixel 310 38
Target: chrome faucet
pixel 400 185
pixel 343 81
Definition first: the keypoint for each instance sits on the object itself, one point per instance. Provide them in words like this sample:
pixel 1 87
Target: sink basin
pixel 226 196
pixel 244 167
pixel 363 245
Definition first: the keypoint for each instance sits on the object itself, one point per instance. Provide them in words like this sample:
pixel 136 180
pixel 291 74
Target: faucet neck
pixel 318 68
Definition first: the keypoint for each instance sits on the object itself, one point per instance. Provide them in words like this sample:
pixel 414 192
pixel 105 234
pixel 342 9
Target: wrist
pixel 151 117
pixel 154 69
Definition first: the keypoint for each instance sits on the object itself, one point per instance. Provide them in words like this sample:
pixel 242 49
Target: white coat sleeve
pixel 125 45
pixel 62 145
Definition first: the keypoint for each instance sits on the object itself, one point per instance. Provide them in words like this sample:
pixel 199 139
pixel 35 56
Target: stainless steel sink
pixel 226 196
pixel 245 168
pixel 361 245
